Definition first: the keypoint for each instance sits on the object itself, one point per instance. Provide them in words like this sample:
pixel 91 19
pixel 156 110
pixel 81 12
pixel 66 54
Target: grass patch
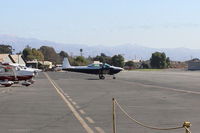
pixel 146 70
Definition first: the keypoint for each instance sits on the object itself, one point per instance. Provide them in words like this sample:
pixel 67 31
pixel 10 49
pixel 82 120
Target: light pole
pixel 81 51
pixel 18 58
pixel 18 54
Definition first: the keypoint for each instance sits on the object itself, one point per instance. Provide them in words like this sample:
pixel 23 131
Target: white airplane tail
pixel 66 63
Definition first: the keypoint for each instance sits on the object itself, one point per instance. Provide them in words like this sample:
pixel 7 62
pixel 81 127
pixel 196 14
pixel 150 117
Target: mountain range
pixel 129 51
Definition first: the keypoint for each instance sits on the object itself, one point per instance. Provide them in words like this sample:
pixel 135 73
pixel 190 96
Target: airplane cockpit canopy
pixel 5 69
pixel 105 65
pixel 95 65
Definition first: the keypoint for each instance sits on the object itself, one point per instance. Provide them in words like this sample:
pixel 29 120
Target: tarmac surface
pixel 60 102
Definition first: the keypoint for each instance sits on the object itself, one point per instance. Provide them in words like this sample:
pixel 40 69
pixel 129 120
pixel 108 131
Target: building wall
pixel 193 65
pixel 47 63
pixel 32 65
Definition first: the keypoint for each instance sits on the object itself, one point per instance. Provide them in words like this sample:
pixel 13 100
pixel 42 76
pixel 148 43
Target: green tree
pixel 130 64
pixel 37 54
pixel 26 53
pixel 30 57
pixel 80 61
pixel 63 54
pixel 99 58
pixel 89 59
pixel 49 54
pixel 158 60
pixel 118 60
pixel 168 62
pixel 103 58
pixel 145 65
pixel 30 54
pixel 5 49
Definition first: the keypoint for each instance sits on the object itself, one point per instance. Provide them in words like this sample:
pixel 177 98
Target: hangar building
pixel 194 64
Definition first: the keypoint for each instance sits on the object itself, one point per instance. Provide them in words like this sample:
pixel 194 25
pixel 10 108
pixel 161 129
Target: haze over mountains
pixel 129 51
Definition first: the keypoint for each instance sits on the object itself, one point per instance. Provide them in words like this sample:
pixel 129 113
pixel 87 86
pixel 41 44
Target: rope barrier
pixel 187 130
pixel 186 125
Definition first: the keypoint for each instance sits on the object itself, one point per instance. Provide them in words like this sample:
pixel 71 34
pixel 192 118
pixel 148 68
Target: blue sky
pixel 152 23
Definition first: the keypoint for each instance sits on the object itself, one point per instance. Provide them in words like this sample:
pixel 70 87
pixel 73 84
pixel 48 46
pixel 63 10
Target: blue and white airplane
pixel 97 69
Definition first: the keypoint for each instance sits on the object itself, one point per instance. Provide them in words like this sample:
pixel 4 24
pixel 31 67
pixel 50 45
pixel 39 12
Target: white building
pixel 47 63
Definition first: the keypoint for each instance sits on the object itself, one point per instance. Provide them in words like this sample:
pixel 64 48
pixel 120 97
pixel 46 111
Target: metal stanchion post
pixel 114 115
pixel 187 125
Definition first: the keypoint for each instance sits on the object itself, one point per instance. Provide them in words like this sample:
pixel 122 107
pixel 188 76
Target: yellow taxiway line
pixel 74 111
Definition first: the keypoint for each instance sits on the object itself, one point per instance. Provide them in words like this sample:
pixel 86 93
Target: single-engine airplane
pixel 21 68
pixel 98 69
pixel 10 75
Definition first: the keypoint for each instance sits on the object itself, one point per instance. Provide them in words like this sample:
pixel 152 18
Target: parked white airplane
pixel 9 75
pixel 22 68
pixel 17 73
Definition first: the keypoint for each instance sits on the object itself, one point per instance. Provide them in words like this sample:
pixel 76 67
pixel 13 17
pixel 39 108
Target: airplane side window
pixel 8 70
pixel 106 66
pixel 2 70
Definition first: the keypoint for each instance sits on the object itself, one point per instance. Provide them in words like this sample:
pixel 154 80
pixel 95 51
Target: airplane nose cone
pixel 121 69
pixel 117 69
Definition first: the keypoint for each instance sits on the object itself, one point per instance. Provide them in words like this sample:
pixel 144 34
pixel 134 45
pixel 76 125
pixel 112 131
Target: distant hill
pixel 130 51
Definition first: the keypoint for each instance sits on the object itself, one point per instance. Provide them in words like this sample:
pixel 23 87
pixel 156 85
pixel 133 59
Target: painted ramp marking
pixel 89 120
pixel 76 114
pixel 74 103
pixel 82 111
pixel 100 130
pixel 173 89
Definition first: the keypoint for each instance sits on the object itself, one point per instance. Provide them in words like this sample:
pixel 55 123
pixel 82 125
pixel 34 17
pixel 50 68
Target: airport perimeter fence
pixel 186 125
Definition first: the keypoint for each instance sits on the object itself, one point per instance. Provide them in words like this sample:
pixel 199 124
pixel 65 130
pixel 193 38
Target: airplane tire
pixel 27 85
pixel 114 77
pixel 16 82
pixel 7 85
pixel 101 77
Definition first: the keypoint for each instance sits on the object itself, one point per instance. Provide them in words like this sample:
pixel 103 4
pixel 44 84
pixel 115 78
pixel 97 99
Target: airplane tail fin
pixel 66 63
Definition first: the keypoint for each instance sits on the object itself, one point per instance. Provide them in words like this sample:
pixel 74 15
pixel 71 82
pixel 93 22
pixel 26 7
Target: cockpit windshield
pixel 106 65
pixel 95 65
pixel 99 65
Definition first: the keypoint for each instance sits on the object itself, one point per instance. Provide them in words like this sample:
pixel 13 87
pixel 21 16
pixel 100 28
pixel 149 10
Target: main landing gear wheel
pixel 114 77
pixel 7 85
pixel 26 83
pixel 101 77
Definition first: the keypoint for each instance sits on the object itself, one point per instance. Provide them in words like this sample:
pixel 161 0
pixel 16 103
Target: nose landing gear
pixel 101 76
